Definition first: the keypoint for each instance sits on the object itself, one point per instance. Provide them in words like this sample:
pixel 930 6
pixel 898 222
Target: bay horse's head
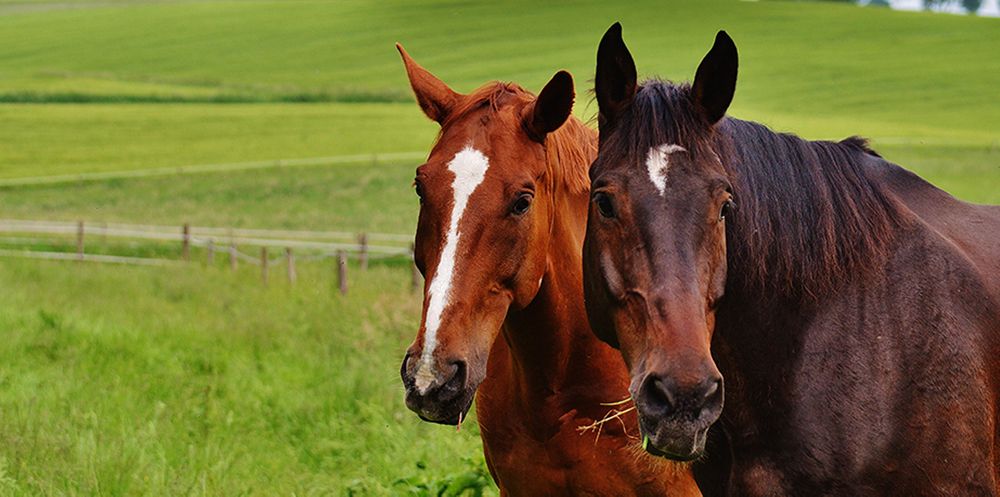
pixel 482 235
pixel 655 249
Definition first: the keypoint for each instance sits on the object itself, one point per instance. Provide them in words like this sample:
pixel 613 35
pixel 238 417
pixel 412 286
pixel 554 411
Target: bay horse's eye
pixel 521 205
pixel 727 209
pixel 604 205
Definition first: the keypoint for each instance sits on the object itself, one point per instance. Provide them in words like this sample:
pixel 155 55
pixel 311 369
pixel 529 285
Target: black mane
pixel 810 212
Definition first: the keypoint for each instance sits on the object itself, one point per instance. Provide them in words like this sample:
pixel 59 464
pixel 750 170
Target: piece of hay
pixel 615 413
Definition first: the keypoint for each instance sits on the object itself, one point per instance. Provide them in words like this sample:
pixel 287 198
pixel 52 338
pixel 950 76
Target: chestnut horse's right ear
pixel 434 97
pixel 551 109
pixel 615 81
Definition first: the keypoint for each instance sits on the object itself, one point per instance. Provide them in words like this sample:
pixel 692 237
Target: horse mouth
pixel 450 414
pixel 653 450
pixel 447 421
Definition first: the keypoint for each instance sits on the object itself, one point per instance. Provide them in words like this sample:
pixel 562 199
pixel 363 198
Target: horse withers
pixel 503 206
pixel 845 311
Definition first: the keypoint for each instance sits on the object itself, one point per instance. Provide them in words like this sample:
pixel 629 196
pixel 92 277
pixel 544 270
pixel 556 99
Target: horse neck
pixel 550 339
pixel 813 215
pixel 812 218
pixel 545 335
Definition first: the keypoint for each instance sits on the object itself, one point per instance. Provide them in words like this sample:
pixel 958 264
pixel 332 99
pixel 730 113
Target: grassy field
pixel 196 381
pixel 232 389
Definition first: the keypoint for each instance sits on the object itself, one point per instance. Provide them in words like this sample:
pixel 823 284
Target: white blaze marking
pixel 469 167
pixel 657 163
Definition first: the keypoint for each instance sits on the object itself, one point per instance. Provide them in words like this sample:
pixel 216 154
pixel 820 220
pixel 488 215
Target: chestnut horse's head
pixel 655 249
pixel 482 236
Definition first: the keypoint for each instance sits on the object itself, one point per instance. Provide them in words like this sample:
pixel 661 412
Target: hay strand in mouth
pixel 615 413
pixel 458 426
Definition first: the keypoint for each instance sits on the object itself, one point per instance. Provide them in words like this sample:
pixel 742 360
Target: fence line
pixel 205 231
pixel 203 236
pixel 70 256
pixel 187 236
pixel 209 168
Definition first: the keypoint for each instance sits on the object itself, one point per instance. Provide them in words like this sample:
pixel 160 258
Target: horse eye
pixel 521 205
pixel 727 209
pixel 417 187
pixel 604 205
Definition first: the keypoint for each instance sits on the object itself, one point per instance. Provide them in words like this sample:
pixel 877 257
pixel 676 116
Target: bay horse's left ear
pixel 615 80
pixel 551 109
pixel 715 82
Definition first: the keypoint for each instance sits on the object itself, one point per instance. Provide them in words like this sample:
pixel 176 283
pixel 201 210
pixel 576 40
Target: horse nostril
pixel 713 393
pixel 712 389
pixel 454 385
pixel 656 392
pixel 402 368
pixel 661 395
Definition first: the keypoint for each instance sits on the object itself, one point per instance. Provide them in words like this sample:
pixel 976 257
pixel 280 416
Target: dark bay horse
pixel 504 198
pixel 852 308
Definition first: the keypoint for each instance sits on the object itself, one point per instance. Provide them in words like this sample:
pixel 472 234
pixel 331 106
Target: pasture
pixel 197 381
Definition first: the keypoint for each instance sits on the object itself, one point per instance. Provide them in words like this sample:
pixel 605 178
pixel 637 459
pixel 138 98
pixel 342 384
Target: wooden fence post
pixel 79 240
pixel 186 242
pixel 290 262
pixel 414 272
pixel 210 247
pixel 263 264
pixel 342 272
pixel 232 256
pixel 363 251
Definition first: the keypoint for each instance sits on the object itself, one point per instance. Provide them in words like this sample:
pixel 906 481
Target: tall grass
pixel 195 381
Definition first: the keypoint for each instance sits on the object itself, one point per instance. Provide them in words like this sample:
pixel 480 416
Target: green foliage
pixel 473 482
pixel 972 6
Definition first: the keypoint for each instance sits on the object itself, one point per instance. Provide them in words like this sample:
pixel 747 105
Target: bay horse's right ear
pixel 434 97
pixel 615 81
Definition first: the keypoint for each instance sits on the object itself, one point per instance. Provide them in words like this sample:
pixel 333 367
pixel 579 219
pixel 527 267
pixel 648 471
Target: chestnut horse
pixel 852 308
pixel 503 206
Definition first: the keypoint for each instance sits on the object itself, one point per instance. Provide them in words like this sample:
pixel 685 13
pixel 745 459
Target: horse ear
pixel 715 81
pixel 615 81
pixel 434 97
pixel 552 107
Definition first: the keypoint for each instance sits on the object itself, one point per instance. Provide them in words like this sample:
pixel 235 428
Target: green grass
pixel 61 139
pixel 136 381
pixel 841 69
pixel 196 381
pixel 347 197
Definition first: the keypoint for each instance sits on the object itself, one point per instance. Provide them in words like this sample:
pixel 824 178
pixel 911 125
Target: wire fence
pixel 269 249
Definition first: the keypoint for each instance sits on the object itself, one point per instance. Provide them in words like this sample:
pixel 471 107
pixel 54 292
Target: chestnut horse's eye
pixel 417 187
pixel 727 209
pixel 521 205
pixel 604 205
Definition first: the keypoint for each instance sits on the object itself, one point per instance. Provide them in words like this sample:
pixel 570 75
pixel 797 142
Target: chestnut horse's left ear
pixel 436 99
pixel 715 82
pixel 552 107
